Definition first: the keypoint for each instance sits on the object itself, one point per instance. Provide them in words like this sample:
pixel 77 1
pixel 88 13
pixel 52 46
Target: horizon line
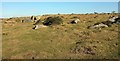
pixel 60 14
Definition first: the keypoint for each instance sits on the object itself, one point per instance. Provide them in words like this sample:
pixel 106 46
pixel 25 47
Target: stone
pixel 117 21
pixel 35 18
pixel 98 26
pixel 39 26
pixel 75 21
pixel 112 19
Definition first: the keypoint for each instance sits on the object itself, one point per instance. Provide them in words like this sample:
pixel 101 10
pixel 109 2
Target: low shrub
pixel 53 21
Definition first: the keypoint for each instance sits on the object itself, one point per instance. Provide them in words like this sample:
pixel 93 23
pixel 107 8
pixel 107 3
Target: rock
pixel 98 26
pixel 39 26
pixel 35 18
pixel 113 20
pixel 75 21
pixel 117 21
pixel 108 23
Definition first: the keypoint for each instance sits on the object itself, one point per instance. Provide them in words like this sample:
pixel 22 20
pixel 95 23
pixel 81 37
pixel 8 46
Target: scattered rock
pixel 113 20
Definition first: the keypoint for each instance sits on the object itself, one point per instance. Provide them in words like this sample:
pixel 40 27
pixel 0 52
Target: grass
pixel 22 42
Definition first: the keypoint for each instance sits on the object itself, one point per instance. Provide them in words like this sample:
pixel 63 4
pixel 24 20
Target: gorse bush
pixel 53 21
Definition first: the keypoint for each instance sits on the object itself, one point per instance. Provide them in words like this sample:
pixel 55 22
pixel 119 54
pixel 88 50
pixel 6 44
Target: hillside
pixel 65 41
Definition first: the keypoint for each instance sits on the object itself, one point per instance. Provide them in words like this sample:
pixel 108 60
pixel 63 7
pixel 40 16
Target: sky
pixel 59 0
pixel 16 9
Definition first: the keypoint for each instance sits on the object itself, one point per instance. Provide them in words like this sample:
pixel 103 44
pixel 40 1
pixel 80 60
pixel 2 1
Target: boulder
pixel 113 19
pixel 39 26
pixel 101 25
pixel 117 21
pixel 75 21
pixel 35 18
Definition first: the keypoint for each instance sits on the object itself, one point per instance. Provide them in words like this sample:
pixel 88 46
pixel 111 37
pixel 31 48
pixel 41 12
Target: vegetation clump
pixel 53 21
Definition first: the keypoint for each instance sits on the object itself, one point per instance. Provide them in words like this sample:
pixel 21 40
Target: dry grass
pixel 20 41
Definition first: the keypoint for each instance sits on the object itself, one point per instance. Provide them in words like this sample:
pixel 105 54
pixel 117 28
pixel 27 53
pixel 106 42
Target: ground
pixel 66 41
